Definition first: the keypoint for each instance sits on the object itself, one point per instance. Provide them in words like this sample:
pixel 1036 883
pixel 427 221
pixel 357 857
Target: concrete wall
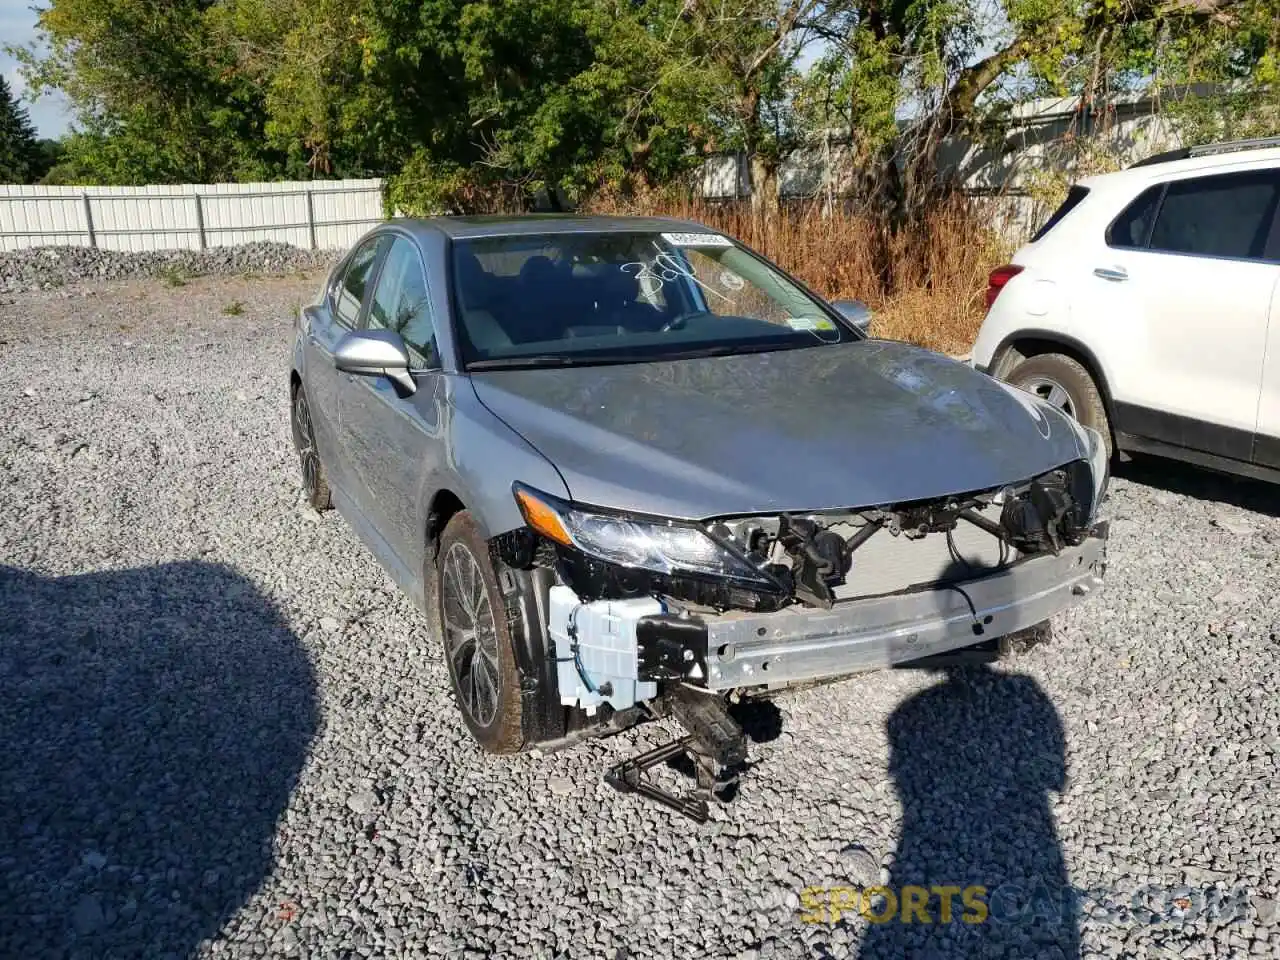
pixel 1039 138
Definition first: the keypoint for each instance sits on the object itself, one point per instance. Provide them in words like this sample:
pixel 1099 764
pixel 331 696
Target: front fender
pixel 482 459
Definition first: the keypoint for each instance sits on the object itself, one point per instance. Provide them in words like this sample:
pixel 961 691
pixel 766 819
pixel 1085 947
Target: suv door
pixel 328 322
pixel 394 443
pixel 1187 287
pixel 1266 449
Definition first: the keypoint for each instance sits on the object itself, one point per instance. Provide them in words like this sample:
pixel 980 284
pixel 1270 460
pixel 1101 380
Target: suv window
pixel 348 293
pixel 1223 216
pixel 1133 226
pixel 400 302
pixel 1074 196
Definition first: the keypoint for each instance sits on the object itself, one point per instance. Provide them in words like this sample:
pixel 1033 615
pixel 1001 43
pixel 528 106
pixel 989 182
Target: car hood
pixel 854 425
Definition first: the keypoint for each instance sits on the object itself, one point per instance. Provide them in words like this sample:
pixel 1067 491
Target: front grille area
pixel 888 564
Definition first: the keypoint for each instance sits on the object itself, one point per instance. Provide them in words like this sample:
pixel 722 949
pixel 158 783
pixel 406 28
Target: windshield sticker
pixel 697 240
pixel 810 323
pixel 816 326
pixel 731 281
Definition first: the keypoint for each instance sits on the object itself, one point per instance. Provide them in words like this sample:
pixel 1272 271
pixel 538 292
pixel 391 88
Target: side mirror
pixel 857 313
pixel 376 353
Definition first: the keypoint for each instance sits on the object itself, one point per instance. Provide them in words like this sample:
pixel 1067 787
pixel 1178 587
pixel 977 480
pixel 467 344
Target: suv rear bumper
pixel 800 643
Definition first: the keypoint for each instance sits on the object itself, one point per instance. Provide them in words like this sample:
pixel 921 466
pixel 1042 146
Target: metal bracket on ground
pixel 716 746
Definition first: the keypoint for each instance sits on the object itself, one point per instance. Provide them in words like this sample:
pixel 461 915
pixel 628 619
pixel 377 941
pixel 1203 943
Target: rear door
pixel 1187 283
pixel 394 442
pixel 1266 449
pixel 338 312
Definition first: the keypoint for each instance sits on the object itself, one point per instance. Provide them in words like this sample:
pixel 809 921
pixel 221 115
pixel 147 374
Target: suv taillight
pixel 999 277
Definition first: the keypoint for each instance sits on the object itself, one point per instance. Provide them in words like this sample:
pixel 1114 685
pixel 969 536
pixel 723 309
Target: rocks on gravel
pixel 254 752
pixel 42 268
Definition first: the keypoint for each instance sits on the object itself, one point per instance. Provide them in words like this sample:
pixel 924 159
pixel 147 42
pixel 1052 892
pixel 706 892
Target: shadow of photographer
pixel 973 760
pixel 153 723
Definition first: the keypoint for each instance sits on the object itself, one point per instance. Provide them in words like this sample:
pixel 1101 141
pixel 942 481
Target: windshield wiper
pixel 730 349
pixel 554 360
pixel 650 355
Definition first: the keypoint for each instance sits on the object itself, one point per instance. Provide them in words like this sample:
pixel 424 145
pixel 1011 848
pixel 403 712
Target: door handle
pixel 1111 273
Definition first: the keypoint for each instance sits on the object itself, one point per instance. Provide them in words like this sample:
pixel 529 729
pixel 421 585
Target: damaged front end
pixel 646 612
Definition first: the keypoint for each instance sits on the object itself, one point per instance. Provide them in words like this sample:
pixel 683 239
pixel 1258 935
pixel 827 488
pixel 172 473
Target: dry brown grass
pixel 925 283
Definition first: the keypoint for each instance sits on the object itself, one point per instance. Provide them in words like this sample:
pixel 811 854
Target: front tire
pixel 471 614
pixel 1066 384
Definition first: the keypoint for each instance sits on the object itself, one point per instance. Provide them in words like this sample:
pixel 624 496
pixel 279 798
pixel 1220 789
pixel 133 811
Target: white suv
pixel 1143 308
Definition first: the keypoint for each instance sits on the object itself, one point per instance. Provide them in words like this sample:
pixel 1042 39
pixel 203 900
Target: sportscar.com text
pixel 1013 903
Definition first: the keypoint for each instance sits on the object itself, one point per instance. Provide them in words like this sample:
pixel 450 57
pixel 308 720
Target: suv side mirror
pixel 857 313
pixel 376 353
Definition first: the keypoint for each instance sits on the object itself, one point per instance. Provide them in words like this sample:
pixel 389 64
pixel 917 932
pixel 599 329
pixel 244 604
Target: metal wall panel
pixel 326 214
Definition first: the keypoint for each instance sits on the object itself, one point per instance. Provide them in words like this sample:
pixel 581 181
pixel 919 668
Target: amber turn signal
pixel 542 518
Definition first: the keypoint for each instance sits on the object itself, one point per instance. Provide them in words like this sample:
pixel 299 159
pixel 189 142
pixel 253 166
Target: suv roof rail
pixel 1209 150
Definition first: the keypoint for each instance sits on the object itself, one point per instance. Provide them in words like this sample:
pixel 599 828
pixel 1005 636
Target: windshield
pixel 557 299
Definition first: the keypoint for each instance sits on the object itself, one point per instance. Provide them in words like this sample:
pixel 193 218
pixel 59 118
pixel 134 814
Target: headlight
pixel 663 546
pixel 1100 465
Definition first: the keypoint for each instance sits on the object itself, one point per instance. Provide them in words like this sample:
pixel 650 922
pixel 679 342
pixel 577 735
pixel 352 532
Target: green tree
pixel 486 104
pixel 727 70
pixel 19 150
pixel 156 99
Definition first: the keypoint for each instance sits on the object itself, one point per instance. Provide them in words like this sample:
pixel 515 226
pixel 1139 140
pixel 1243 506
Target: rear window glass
pixel 1133 226
pixel 1074 196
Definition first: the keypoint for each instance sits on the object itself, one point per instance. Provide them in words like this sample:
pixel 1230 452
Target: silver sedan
pixel 629 468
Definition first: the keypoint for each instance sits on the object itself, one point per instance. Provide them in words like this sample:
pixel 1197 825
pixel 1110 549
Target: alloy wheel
pixel 470 634
pixel 306 441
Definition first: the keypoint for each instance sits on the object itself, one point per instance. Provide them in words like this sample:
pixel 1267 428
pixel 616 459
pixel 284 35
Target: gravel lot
pixel 223 732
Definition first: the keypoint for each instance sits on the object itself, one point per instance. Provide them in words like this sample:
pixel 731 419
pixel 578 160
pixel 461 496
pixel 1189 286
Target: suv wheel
pixel 477 643
pixel 1065 384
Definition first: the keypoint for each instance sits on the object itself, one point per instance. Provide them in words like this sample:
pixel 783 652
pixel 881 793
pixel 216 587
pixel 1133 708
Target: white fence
pixel 317 215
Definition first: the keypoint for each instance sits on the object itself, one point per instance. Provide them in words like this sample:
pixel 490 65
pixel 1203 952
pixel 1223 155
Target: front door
pixel 394 442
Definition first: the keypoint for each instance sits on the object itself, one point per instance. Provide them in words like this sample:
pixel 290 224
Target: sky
pixel 18 26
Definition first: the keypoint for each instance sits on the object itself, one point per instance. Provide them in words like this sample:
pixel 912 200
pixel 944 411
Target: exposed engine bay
pixel 815 597
pixel 807 558
pixel 812 555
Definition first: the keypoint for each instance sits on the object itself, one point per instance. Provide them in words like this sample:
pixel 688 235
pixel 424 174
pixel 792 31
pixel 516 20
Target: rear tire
pixel 314 482
pixel 1067 385
pixel 472 620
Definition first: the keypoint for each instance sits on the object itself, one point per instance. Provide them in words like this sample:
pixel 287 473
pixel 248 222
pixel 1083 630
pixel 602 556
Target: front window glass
pixel 616 297
pixel 400 302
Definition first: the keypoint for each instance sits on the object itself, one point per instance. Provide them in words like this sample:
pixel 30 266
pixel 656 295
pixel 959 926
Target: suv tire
pixel 1065 383
pixel 472 619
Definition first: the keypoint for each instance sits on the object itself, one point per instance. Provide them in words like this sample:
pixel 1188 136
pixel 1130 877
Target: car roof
pixel 462 228
pixel 1156 169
